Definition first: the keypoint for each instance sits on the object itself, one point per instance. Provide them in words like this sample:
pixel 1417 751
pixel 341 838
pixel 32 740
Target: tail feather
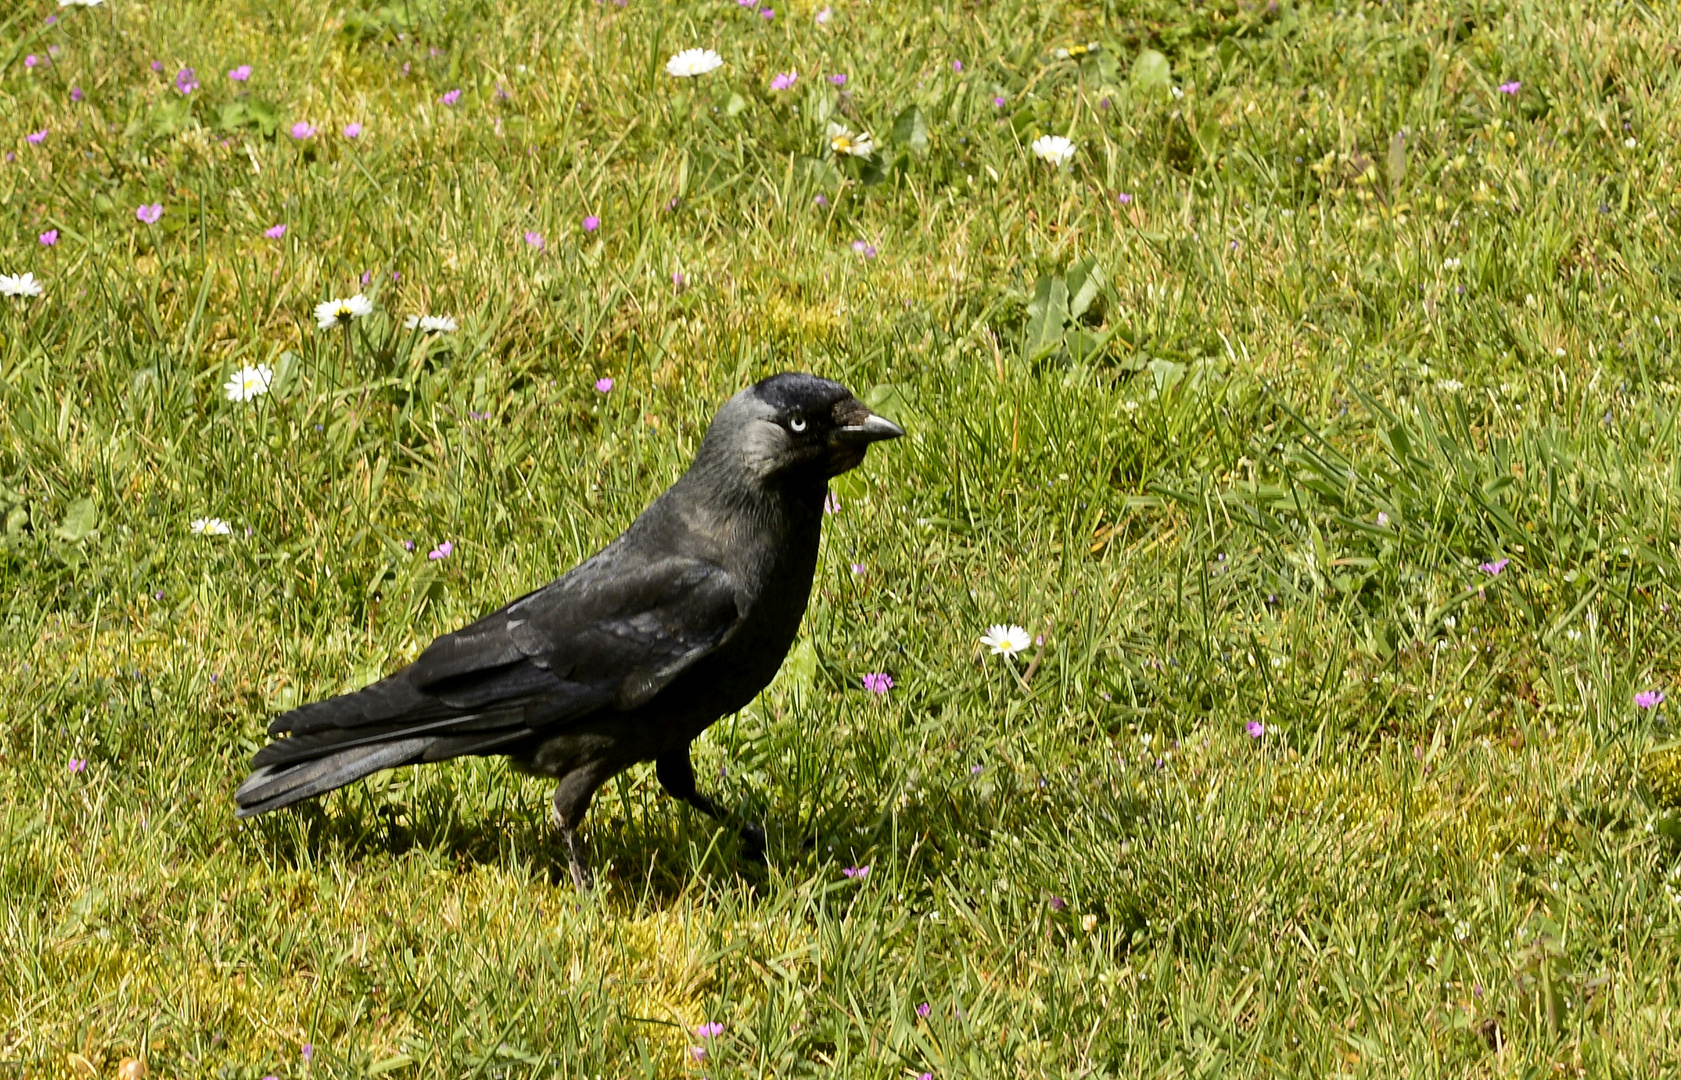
pixel 271 787
pixel 274 786
pixel 318 744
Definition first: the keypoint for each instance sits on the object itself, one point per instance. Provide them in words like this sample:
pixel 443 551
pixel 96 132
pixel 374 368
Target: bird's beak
pixel 871 428
pixel 856 425
pixel 855 429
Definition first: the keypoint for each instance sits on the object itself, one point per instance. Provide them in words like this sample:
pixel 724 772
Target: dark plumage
pixel 680 621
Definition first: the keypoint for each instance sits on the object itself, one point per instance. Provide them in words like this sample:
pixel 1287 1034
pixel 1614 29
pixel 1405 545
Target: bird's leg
pixel 677 776
pixel 571 803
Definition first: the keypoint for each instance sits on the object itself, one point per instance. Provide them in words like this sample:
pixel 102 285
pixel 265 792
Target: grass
pixel 1236 446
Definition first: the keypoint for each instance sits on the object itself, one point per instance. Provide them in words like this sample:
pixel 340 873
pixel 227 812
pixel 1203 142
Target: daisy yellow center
pixel 842 144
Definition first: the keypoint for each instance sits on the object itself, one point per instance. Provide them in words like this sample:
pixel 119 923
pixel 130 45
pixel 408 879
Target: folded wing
pixel 605 636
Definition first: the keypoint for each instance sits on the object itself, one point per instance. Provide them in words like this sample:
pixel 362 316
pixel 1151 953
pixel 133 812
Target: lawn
pixel 1319 415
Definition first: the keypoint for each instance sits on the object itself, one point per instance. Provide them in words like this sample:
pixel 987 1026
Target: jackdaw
pixel 680 621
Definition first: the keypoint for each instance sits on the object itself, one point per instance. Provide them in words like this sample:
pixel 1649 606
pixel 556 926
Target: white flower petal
pixel 1058 150
pixel 691 62
pixel 23 284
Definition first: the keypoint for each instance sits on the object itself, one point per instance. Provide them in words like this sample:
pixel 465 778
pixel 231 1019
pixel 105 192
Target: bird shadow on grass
pixel 652 850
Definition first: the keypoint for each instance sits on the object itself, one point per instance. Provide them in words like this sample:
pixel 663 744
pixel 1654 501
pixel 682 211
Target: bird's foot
pixel 577 859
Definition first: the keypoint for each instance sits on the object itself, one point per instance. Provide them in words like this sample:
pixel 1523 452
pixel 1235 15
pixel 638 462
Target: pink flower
pixel 698 1053
pixel 831 504
pixel 78 764
pixel 75 93
pixel 1494 569
pixel 865 249
pixel 957 65
pixel 710 1031
pixel 31 60
pixel 149 214
pixel 157 65
pixel 745 3
pixel 784 80
pixel 353 130
pixel 1058 904
pixel 275 232
pixel 408 545
pixel 1648 699
pixel 36 138
pixel 878 682
pixel 186 81
pixel 302 130
pixel 838 79
pixel 767 14
pixel 307 1051
pixel 1510 87
pixel 451 97
pixel 592 223
pixel 442 551
pixel 240 73
pixel 820 201
pixel 924 1009
pixel 1124 198
pixel 998 100
pixel 857 568
pixel 49 238
pixel 534 239
pixel 859 872
pixel 677 279
pixel 824 16
pixel 1255 729
pixel 604 385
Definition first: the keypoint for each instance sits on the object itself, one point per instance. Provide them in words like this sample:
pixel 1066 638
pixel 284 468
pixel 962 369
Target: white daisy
pixel 337 312
pixel 843 141
pixel 691 62
pixel 431 324
pixel 249 382
pixel 19 285
pixel 211 527
pixel 80 3
pixel 1056 149
pixel 1005 640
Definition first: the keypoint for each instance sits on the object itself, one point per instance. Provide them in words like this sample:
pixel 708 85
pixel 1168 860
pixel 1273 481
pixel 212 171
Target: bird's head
pixel 797 427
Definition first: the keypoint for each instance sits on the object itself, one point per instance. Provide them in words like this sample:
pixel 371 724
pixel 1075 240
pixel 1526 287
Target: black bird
pixel 680 621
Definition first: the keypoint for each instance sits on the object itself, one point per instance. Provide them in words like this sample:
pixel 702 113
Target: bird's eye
pixel 796 424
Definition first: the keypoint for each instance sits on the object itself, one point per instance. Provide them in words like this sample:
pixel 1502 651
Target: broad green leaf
pixel 736 106
pixel 1397 162
pixel 1152 71
pixel 800 669
pixel 81 520
pixel 1166 374
pixel 849 486
pixel 896 401
pixel 911 129
pixel 820 172
pixel 1047 314
pixel 1084 279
